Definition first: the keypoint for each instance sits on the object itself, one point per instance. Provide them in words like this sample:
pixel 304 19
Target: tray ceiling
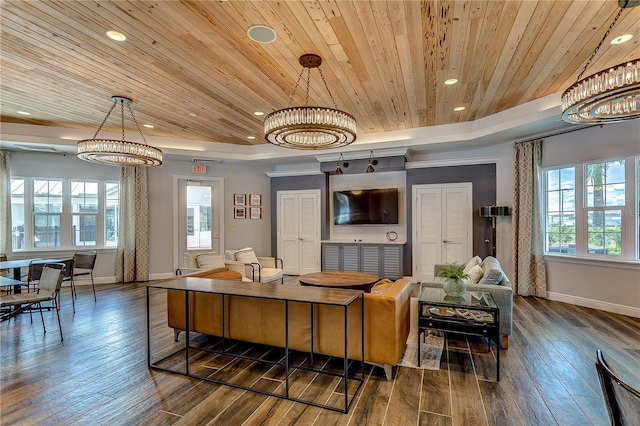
pixel 193 72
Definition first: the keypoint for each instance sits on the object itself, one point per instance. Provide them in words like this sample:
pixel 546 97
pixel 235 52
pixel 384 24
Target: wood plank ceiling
pixel 385 62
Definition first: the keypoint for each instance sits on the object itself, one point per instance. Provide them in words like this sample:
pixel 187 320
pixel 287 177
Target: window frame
pixel 65 215
pixel 630 220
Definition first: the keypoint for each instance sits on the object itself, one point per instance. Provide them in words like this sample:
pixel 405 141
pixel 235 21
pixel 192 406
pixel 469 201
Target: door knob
pixel 445 241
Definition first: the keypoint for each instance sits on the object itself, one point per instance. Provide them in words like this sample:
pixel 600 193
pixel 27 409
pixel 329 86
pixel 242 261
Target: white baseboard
pixel 112 280
pixel 595 304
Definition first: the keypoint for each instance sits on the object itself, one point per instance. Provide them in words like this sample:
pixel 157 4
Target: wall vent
pixel 206 160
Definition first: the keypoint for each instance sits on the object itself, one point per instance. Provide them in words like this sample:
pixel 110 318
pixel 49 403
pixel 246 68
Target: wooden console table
pixel 312 296
pixel 340 279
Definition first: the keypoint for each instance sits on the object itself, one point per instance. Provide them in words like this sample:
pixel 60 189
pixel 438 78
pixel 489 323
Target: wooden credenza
pixel 381 259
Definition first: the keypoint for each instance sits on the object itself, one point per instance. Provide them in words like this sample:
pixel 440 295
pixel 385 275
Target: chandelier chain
pixel 295 88
pixel 327 87
pixel 137 125
pixel 104 120
pixel 122 119
pixel 306 99
pixel 600 44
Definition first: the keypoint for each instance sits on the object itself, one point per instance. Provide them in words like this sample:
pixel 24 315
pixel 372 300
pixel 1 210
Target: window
pixel 84 209
pixel 17 214
pixel 47 209
pixel 561 210
pixel 588 206
pixel 64 213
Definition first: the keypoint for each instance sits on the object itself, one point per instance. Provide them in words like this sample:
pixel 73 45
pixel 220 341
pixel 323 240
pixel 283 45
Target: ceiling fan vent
pixel 207 160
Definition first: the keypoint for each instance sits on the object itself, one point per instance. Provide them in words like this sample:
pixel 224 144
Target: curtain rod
pixel 558 133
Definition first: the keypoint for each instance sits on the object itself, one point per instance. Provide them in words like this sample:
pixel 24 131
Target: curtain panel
pixel 528 255
pixel 5 205
pixel 132 260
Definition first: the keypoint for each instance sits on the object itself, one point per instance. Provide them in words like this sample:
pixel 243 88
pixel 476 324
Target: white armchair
pixel 257 268
pixel 197 261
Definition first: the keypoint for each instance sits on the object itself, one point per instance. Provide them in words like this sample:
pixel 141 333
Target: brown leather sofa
pixel 386 322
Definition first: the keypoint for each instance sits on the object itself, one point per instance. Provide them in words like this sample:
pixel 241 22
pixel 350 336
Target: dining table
pixel 17 266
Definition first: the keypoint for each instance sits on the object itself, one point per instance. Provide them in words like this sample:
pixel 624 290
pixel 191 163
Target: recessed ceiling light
pixel 460 108
pixel 116 35
pixel 148 126
pixel 451 81
pixel 251 137
pixel 622 39
pixel 258 113
pixel 262 34
pixel 193 114
pixel 23 112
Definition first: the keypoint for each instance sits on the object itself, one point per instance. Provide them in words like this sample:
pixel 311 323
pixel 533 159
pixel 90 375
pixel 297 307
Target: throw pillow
pixel 381 286
pixel 229 255
pixel 210 261
pixel 492 276
pixel 475 260
pixel 475 273
pixel 490 262
pixel 246 255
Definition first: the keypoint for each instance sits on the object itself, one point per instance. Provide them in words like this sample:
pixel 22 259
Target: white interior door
pixel 298 219
pixel 200 218
pixel 442 223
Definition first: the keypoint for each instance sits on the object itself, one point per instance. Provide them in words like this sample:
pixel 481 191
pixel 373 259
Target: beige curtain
pixel 528 258
pixel 132 260
pixel 5 205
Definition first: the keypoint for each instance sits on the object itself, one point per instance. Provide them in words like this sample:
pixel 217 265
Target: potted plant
pixel 455 283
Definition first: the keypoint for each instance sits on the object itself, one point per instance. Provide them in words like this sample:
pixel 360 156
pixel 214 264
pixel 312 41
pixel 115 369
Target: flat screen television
pixel 365 207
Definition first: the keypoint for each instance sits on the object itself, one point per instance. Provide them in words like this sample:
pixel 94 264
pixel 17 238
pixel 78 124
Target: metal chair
pixel 84 262
pixel 68 276
pixel 623 401
pixel 48 291
pixel 33 274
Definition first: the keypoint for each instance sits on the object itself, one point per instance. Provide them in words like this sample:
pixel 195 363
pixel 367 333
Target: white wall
pixel 237 179
pixel 606 285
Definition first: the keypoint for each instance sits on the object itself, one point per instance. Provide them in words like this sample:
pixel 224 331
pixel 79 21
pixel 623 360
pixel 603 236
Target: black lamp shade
pixel 492 211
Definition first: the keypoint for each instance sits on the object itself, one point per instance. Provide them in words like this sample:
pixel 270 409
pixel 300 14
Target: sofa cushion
pixel 475 274
pixel 381 286
pixel 246 255
pixel 475 260
pixel 210 261
pixel 492 276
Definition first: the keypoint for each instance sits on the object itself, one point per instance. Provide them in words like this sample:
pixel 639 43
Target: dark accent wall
pixel 483 180
pixel 298 183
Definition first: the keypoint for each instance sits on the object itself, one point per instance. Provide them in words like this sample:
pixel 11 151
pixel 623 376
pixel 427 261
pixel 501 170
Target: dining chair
pixel 622 400
pixel 33 274
pixel 83 264
pixel 68 277
pixel 3 258
pixel 48 291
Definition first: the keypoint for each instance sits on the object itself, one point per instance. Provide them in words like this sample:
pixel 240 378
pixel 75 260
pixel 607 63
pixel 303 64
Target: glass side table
pixel 474 314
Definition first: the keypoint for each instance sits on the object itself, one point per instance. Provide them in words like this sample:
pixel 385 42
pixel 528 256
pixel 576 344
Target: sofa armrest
pixel 245 269
pixel 270 262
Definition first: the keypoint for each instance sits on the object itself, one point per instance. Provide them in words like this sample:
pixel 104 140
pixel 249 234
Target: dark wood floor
pixel 99 374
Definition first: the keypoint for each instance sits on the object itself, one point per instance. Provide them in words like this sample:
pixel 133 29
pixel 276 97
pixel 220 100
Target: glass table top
pixel 477 299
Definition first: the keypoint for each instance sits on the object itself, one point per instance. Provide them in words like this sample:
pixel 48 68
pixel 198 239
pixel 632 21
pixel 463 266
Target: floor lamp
pixel 493 212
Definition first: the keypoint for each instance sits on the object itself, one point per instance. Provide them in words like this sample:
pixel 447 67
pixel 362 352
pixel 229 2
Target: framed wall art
pixel 256 213
pixel 255 200
pixel 239 199
pixel 239 213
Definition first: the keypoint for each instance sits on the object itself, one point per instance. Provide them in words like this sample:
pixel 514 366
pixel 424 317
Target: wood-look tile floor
pixel 98 375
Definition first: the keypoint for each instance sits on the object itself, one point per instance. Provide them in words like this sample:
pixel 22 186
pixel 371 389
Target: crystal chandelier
pixel 310 127
pixel 119 152
pixel 606 97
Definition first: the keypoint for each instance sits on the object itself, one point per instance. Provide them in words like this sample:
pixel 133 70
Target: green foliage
pixel 453 270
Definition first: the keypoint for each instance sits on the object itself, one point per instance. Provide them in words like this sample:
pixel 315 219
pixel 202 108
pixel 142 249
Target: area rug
pixel 431 346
